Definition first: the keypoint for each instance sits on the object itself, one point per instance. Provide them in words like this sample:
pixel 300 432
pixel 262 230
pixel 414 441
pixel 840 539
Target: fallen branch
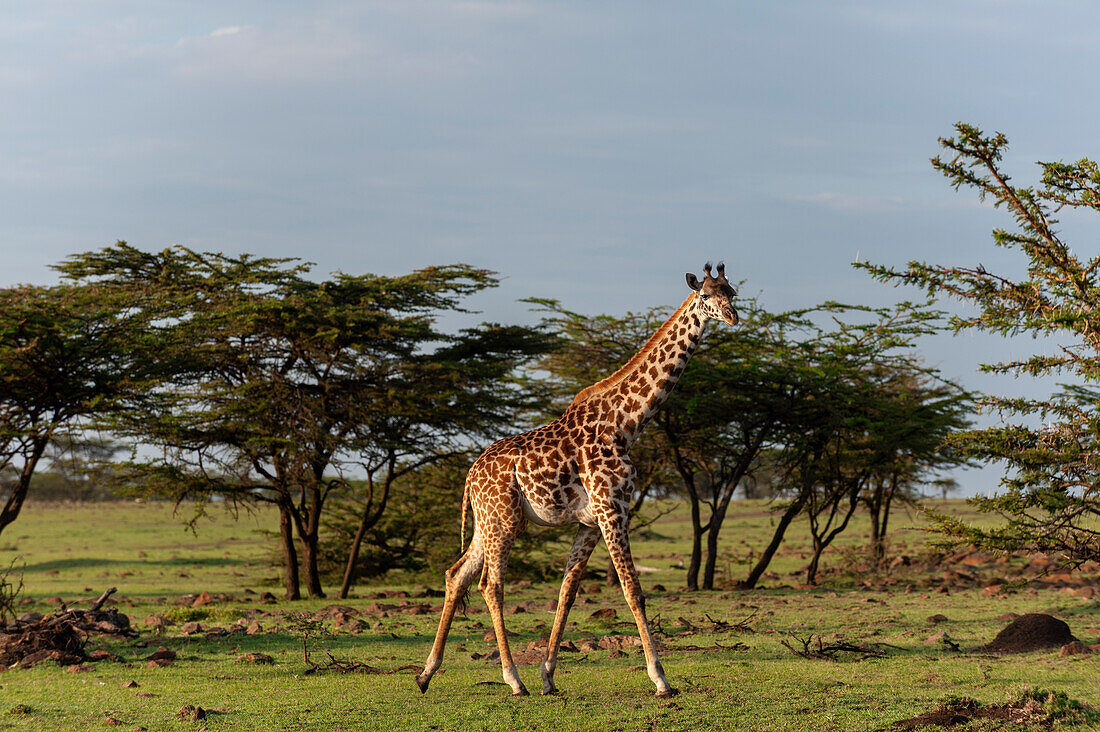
pixel 831 651
pixel 741 626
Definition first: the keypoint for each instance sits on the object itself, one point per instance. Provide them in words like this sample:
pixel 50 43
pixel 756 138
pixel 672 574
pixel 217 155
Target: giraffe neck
pixel 631 396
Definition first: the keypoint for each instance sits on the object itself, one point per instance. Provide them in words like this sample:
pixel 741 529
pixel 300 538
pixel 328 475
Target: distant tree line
pixel 343 404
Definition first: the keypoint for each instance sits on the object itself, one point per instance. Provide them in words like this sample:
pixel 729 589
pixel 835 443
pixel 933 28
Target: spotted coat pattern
pixel 576 469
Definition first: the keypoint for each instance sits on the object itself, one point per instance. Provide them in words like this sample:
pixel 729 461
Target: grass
pixel 75 552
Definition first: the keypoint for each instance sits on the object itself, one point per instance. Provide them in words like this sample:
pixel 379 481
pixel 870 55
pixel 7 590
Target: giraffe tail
pixel 463 602
pixel 462 530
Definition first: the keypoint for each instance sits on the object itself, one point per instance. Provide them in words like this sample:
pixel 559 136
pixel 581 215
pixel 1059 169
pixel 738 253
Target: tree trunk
pixel 290 554
pixel 696 546
pixel 612 576
pixel 769 551
pixel 715 526
pixel 353 558
pixel 308 532
pixel 811 569
pixel 18 495
pixel 309 565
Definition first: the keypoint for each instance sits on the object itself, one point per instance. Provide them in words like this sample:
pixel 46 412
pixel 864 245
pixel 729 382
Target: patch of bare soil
pixel 1031 632
pixel 1035 708
pixel 960 711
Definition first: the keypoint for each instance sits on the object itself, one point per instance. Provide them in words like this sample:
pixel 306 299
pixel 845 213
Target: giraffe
pixel 576 469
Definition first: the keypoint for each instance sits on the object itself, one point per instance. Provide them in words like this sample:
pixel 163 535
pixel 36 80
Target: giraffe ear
pixel 693 282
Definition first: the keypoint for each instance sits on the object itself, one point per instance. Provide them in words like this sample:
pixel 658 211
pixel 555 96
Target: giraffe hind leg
pixel 585 541
pixel 492 588
pixel 618 546
pixel 457 580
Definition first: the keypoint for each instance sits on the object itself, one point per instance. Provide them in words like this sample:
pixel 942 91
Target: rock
pixel 1075 648
pixel 267 598
pixel 191 628
pixel 101 654
pixel 112 721
pixel 994 590
pixel 130 684
pixel 609 642
pixel 158 663
pixel 29 618
pixel 604 613
pixel 162 653
pixel 191 712
pixel 255 658
pixel 78 668
pixel 203 598
pixel 332 612
pixel 346 622
pixel 937 618
pixel 156 623
pixel 254 628
pixel 552 605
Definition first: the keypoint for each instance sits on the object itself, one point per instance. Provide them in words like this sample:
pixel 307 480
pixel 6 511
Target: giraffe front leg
pixel 618 546
pixel 583 544
pixel 457 580
pixel 492 589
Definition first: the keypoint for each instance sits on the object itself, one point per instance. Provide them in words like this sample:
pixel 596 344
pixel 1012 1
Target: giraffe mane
pixel 601 386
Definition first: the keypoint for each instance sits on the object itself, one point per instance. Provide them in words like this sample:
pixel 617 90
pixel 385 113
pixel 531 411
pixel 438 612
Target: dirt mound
pixel 1031 632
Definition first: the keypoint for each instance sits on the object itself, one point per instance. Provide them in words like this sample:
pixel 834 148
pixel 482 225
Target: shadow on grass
pixel 94 562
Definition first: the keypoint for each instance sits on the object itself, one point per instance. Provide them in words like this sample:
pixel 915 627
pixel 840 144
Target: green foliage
pixel 1059 707
pixel 69 354
pixel 1052 490
pixel 180 615
pixel 280 386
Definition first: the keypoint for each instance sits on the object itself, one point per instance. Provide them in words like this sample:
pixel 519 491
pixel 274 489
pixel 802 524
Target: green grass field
pixel 729 679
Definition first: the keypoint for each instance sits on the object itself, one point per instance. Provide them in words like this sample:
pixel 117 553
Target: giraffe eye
pixel 706 296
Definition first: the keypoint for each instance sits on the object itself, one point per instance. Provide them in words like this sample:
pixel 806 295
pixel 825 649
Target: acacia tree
pixel 282 385
pixel 843 426
pixel 67 354
pixel 886 434
pixel 922 412
pixel 728 408
pixel 1051 496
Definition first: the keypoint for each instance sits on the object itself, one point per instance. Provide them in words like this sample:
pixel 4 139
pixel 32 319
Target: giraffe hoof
pixel 422 682
pixel 553 690
pixel 667 693
pixel 522 691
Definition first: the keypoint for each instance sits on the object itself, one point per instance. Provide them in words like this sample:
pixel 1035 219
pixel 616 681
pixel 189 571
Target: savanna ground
pixel 724 649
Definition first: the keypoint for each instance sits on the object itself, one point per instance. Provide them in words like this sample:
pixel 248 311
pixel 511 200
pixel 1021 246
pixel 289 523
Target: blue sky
pixel 590 152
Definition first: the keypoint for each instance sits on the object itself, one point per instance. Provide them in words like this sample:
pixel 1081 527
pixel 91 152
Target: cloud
pixel 229 30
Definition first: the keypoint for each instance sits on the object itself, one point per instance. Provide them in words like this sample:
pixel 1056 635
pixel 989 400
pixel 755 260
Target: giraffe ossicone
pixel 576 469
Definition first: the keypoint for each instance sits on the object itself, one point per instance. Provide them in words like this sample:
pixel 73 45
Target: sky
pixel 591 152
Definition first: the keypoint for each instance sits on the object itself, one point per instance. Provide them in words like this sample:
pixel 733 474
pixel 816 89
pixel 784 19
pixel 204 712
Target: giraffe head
pixel 715 294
